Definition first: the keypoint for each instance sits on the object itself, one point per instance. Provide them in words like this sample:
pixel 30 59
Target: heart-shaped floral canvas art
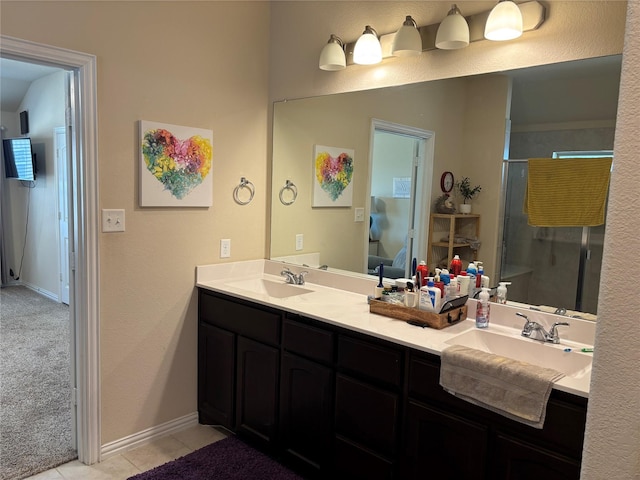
pixel 333 172
pixel 180 165
pixel 176 165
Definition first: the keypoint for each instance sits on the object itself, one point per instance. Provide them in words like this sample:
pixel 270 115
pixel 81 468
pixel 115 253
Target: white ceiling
pixel 15 78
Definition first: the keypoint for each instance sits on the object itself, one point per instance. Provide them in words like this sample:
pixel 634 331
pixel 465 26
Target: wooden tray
pixel 429 319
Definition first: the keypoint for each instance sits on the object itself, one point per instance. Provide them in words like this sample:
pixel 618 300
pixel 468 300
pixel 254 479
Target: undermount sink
pixel 269 287
pixel 573 364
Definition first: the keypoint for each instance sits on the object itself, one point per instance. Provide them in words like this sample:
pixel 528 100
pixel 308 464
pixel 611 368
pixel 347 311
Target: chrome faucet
pixel 536 331
pixel 292 278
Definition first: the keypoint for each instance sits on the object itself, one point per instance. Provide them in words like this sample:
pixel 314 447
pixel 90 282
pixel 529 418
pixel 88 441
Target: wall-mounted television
pixel 19 162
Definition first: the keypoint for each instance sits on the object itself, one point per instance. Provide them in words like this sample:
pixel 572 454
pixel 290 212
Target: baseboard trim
pixel 145 436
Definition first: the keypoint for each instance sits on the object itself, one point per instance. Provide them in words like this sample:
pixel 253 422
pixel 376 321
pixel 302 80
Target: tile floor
pixel 140 459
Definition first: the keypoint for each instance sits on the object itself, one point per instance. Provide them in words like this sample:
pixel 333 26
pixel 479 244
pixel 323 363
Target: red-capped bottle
pixel 456 265
pixel 424 272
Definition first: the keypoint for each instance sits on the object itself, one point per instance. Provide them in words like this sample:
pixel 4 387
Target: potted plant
pixel 467 192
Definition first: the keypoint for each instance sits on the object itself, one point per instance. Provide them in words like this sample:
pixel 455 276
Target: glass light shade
pixel 407 42
pixel 504 22
pixel 332 57
pixel 453 32
pixel 367 50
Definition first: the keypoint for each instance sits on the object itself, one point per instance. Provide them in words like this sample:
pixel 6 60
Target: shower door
pixel 547 266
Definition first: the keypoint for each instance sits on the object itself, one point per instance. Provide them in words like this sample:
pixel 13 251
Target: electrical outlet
pixel 112 220
pixel 299 241
pixel 359 215
pixel 225 248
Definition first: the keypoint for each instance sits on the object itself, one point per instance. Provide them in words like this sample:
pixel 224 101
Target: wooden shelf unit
pixel 441 224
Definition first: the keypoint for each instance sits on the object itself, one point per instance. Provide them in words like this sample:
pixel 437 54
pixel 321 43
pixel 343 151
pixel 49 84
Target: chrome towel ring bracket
pixel 244 184
pixel 289 190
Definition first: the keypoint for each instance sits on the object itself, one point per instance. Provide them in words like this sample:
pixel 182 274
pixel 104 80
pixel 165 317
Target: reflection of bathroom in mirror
pixel 565 107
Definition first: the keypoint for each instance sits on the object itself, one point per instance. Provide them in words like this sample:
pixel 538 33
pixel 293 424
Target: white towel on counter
pixel 517 390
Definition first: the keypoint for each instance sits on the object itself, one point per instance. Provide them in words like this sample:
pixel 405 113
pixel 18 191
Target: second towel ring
pixel 288 186
pixel 244 183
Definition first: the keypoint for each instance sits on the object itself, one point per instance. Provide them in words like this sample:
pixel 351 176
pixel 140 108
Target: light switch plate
pixel 359 214
pixel 112 220
pixel 299 241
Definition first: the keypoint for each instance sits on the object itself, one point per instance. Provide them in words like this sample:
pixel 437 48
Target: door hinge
pixel 74 396
pixel 72 261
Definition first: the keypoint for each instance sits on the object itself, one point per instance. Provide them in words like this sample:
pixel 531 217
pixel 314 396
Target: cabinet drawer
pixel 369 360
pixel 308 341
pixel 258 323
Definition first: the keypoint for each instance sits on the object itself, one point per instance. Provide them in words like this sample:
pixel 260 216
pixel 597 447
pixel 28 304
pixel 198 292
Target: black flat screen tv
pixel 18 159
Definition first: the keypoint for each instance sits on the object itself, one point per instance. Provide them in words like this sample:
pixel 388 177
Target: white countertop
pixel 330 301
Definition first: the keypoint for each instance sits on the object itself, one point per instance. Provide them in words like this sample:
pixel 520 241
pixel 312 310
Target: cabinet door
pixel 517 460
pixel 443 446
pixel 216 374
pixel 306 394
pixel 367 415
pixel 257 390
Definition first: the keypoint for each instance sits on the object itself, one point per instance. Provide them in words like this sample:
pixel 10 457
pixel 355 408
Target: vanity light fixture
pixel 407 41
pixel 453 32
pixel 332 57
pixel 367 50
pixel 504 22
pixel 530 15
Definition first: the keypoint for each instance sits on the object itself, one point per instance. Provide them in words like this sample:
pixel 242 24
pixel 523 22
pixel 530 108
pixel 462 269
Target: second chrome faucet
pixel 292 278
pixel 536 331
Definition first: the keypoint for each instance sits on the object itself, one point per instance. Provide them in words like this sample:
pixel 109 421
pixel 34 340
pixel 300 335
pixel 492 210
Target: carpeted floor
pixel 228 459
pixel 35 389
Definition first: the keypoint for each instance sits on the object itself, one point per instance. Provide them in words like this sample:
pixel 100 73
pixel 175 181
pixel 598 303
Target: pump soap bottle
pixel 483 309
pixel 502 292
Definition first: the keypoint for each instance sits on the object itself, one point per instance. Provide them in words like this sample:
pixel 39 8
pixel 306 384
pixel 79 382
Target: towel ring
pixel 244 183
pixel 290 186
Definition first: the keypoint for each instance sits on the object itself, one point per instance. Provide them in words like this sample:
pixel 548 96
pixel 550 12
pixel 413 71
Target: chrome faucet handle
pixel 289 276
pixel 530 327
pixel 300 278
pixel 553 332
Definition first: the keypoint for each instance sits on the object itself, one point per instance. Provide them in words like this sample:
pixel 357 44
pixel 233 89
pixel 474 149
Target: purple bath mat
pixel 227 459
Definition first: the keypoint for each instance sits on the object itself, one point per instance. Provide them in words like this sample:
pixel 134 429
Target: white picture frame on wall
pixel 333 169
pixel 175 165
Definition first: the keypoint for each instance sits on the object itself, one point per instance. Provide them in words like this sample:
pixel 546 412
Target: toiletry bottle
pixel 456 265
pixel 424 272
pixel 479 275
pixel 453 289
pixel 471 272
pixel 430 297
pixel 502 292
pixel 463 283
pixel 483 309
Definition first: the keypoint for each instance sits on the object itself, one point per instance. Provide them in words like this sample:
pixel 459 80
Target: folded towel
pixel 517 390
pixel 567 192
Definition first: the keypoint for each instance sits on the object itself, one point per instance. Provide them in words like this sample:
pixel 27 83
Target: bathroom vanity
pixel 359 397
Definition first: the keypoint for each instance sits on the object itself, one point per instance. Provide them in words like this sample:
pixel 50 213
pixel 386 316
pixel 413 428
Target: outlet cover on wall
pixel 299 241
pixel 225 248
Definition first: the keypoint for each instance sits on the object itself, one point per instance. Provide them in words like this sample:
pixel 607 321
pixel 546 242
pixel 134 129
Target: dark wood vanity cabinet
pixel 458 440
pixel 333 403
pixel 239 366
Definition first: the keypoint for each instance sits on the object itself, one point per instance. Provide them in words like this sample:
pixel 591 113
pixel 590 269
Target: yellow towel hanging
pixel 567 192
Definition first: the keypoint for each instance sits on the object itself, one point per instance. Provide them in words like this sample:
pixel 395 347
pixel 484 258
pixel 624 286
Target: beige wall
pixel 200 64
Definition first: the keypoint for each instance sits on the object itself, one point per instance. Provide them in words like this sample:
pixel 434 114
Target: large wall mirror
pixel 483 127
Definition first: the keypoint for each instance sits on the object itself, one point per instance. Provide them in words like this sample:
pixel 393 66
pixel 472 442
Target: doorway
pixel 401 169
pixel 83 229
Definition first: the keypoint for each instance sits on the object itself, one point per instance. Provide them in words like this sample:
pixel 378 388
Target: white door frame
pixel 84 281
pixel 420 189
pixel 60 142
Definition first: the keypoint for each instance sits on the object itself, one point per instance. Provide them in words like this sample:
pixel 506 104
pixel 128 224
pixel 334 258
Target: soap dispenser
pixel 502 292
pixel 483 309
